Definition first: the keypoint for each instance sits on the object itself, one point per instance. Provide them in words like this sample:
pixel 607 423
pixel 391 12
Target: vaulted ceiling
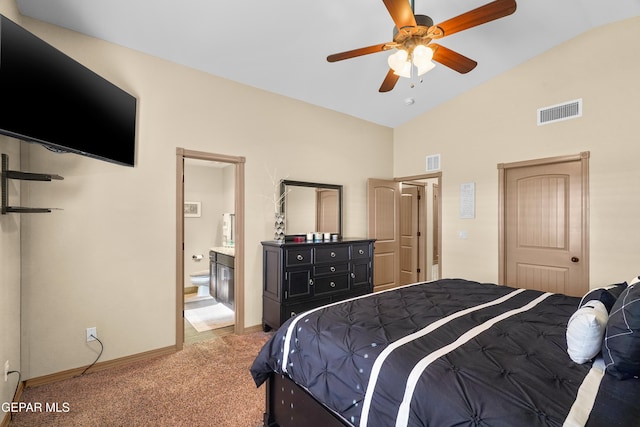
pixel 281 46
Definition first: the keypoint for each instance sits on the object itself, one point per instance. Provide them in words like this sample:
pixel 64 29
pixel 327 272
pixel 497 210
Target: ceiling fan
pixel 413 35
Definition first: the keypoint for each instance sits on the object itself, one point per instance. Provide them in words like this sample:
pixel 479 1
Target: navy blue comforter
pixel 447 353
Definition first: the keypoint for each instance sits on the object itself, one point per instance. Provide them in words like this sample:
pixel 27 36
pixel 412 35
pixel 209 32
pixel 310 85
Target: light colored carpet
pixel 206 384
pixel 210 317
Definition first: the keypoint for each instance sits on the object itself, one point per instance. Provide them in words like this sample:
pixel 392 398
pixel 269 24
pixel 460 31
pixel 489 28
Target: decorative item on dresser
pixel 299 276
pixel 278 232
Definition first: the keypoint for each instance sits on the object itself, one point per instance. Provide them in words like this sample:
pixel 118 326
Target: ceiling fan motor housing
pixel 407 38
pixel 421 21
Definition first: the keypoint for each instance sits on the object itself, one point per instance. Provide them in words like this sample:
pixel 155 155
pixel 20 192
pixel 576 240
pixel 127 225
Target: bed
pixel 456 353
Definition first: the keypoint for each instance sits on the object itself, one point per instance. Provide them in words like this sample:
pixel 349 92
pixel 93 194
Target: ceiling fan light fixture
pixel 421 57
pixel 400 64
pixel 424 68
pixel 398 60
pixel 421 54
pixel 405 71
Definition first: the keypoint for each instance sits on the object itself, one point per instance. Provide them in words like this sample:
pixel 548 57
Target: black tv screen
pixel 49 98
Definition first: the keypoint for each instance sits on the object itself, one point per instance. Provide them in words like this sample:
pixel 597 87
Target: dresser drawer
pixel 297 256
pixel 330 269
pixel 330 284
pixel 360 251
pixel 332 254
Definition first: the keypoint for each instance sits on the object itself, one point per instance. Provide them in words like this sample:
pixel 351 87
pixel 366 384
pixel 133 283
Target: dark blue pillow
pixel 606 296
pixel 617 289
pixel 621 346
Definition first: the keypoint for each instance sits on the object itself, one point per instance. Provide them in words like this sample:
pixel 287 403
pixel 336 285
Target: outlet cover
pixel 90 332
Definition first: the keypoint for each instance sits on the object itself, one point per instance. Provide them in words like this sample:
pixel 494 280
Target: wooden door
pixel 544 226
pixel 327 218
pixel 409 238
pixel 384 215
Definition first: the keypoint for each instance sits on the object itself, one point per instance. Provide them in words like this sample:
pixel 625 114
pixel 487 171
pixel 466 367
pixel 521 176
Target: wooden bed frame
pixel 289 405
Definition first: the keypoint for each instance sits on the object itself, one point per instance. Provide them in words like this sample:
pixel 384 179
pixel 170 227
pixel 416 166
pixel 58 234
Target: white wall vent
pixel 559 112
pixel 433 163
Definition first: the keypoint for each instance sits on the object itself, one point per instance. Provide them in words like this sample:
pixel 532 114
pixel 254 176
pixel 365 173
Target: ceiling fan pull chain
pixel 411 84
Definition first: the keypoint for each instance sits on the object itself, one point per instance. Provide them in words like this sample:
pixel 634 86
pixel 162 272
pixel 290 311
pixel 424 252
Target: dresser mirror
pixel 311 207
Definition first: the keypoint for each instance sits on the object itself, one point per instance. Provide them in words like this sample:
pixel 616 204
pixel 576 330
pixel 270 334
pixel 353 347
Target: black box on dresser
pixel 299 276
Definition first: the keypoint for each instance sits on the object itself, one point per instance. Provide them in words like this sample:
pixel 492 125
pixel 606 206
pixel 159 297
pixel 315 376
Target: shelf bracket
pixel 8 174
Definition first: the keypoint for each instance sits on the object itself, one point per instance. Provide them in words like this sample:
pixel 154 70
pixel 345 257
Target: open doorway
pixel 419 230
pixel 405 219
pixel 222 255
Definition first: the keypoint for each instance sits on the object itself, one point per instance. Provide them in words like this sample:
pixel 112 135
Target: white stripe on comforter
pixel 403 414
pixel 581 408
pixel 375 371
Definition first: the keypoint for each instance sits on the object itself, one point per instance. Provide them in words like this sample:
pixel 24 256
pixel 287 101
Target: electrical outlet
pixel 90 332
pixel 6 371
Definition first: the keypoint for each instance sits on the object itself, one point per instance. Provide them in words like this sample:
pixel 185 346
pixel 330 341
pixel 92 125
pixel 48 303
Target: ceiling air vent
pixel 556 113
pixel 433 163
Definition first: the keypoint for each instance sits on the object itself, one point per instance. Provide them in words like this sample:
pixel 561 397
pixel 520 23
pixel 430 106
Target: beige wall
pixel 496 123
pixel 107 259
pixel 10 277
pixel 10 261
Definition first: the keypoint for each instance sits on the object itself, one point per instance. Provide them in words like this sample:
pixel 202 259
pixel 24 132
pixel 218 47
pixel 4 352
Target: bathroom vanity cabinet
pixel 299 276
pixel 221 271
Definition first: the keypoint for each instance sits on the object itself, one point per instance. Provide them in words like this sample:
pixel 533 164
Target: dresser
pixel 298 276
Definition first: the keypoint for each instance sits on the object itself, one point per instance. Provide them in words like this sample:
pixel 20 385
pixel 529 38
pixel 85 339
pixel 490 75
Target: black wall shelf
pixel 8 174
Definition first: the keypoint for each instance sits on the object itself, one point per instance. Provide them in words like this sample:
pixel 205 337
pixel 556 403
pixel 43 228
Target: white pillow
pixel 585 331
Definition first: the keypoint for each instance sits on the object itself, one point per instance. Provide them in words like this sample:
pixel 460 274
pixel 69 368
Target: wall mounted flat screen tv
pixel 49 98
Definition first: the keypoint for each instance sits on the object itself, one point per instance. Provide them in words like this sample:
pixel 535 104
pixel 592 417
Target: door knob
pixel 575 259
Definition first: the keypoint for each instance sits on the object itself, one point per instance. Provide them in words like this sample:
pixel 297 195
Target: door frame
pixel 238 286
pixel 583 158
pixel 438 176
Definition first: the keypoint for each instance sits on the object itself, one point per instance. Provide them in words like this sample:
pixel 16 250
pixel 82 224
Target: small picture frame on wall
pixel 191 209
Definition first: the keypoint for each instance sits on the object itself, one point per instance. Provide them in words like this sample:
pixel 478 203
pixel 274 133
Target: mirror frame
pixel 283 188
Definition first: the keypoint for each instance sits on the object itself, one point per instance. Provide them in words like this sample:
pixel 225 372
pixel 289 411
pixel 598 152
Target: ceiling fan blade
pixel 401 13
pixel 481 15
pixel 358 52
pixel 452 59
pixel 389 81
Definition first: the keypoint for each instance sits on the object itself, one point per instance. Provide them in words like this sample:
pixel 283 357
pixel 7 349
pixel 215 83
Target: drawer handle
pixel 332 284
pixel 293 314
pixel 353 275
pixel 332 269
pixel 310 282
pixel 333 254
pixel 361 252
pixel 300 257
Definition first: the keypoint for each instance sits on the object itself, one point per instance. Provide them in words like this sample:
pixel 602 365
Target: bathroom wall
pixel 228 192
pixel 207 183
